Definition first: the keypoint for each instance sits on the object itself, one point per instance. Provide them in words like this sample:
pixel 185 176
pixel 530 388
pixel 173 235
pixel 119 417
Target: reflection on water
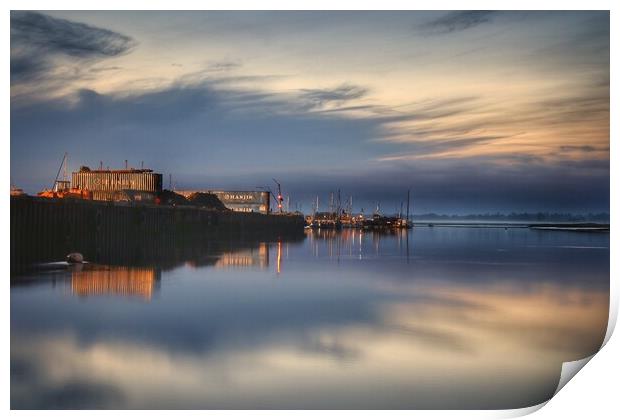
pixel 122 281
pixel 357 242
pixel 279 257
pixel 431 318
pixel 252 257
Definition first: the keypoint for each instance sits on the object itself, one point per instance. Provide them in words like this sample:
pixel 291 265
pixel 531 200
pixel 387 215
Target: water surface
pixel 444 317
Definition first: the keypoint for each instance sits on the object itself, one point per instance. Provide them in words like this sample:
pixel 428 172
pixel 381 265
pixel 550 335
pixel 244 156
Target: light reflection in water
pixel 122 281
pixel 252 257
pixel 467 318
pixel 279 266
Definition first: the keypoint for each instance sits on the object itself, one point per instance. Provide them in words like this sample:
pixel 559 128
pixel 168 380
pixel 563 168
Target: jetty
pixel 47 229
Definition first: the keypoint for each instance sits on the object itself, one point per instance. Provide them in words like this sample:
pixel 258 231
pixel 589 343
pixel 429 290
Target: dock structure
pixel 333 220
pixel 44 229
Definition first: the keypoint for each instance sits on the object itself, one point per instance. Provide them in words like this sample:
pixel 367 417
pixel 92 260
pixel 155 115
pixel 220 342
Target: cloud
pixel 210 134
pixel 457 22
pixel 583 148
pixel 426 148
pixel 219 66
pixel 47 51
pixel 231 130
pixel 80 394
pixel 59 36
pixel 173 127
pixel 104 69
pixel 319 98
pixel 583 48
pixel 546 125
pixel 25 68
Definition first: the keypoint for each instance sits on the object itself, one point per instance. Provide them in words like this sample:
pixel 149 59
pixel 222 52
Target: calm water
pixel 436 318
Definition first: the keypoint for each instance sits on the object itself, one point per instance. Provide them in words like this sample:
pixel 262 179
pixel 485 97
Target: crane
pixel 280 198
pixel 63 167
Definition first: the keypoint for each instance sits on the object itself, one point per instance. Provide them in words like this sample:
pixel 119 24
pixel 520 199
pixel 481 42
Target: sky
pixel 473 111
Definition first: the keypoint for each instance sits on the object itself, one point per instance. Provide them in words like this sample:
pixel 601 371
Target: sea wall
pixel 110 232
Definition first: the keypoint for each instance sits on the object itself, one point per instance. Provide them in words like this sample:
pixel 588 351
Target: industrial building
pixel 241 201
pixel 105 184
pixel 144 185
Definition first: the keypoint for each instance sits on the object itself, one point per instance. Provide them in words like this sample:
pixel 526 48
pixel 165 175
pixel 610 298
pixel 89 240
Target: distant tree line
pixel 540 216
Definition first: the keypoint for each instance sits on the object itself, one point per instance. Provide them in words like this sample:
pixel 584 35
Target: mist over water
pixel 436 317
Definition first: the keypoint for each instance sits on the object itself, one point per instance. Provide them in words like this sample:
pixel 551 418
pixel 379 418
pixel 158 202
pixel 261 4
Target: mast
pixel 62 165
pixel 408 194
pixel 339 203
pixel 64 171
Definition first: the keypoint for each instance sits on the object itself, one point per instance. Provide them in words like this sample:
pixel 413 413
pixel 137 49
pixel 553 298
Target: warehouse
pixel 242 201
pixel 104 183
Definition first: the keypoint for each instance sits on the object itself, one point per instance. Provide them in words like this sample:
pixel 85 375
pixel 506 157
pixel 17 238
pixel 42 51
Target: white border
pixel 310 5
pixel 593 394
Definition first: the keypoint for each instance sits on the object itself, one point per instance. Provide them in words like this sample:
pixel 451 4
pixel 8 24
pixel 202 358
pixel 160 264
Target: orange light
pixel 279 265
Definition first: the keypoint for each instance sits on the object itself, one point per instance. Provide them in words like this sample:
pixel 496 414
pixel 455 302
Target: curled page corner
pixel 520 412
pixel 613 316
pixel 570 369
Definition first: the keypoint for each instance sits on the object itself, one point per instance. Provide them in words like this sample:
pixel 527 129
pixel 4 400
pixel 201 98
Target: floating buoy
pixel 75 258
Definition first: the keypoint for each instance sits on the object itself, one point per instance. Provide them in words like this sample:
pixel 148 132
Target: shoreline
pixel 558 226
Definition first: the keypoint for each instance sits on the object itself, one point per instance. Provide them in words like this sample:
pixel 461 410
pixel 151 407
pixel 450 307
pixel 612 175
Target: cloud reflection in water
pixel 325 333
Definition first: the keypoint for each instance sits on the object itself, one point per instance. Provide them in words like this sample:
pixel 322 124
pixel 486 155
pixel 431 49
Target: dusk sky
pixel 474 111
